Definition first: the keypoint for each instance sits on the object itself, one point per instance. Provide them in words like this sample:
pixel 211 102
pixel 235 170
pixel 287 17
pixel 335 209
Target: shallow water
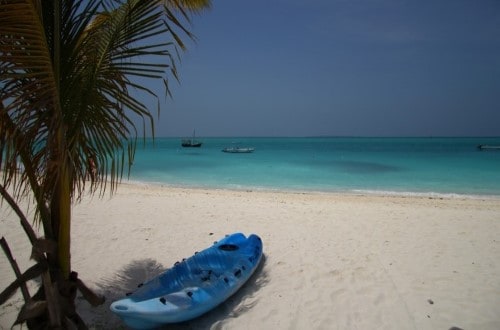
pixel 389 165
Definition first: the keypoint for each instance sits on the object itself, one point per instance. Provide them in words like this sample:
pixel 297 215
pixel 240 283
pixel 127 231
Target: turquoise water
pixel 397 165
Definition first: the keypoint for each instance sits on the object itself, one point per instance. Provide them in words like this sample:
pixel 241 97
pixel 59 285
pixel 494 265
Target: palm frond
pixel 111 52
pixel 67 68
pixel 191 5
pixel 28 91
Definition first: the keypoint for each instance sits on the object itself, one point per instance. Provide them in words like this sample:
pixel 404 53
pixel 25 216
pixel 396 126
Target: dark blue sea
pixel 428 166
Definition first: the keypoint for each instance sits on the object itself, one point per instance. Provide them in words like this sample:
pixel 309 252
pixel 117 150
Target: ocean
pixel 406 166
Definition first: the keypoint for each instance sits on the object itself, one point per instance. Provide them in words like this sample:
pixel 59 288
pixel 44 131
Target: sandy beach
pixel 332 261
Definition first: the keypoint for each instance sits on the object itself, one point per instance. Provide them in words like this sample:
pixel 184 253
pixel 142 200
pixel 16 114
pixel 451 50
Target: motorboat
pixel 488 147
pixel 238 150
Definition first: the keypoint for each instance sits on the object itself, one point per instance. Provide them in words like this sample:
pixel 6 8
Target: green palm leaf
pixel 67 69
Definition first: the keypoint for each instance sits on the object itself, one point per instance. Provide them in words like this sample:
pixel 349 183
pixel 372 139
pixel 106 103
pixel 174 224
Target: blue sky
pixel 339 68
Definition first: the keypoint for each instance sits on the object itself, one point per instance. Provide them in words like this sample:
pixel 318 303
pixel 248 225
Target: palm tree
pixel 67 115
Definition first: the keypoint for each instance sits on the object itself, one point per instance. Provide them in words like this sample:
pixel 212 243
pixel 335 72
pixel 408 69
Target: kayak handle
pixel 228 247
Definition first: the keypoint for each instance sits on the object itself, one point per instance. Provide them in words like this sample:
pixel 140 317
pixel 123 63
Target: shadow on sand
pixel 139 271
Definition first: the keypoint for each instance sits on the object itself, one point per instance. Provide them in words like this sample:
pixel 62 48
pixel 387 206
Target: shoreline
pixel 331 259
pixel 353 192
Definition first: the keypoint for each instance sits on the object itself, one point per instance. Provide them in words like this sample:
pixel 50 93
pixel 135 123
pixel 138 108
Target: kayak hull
pixel 193 286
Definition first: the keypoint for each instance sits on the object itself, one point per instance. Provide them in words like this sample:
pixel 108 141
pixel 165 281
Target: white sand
pixel 332 261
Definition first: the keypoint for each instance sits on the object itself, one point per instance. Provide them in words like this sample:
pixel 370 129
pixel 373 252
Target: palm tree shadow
pixel 115 288
pixel 139 271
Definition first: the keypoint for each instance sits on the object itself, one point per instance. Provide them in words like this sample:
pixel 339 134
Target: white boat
pixel 488 147
pixel 238 150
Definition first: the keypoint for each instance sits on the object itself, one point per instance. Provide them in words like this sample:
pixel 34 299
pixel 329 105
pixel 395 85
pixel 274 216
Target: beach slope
pixel 332 261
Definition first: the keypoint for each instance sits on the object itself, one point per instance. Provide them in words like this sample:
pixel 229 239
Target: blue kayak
pixel 194 286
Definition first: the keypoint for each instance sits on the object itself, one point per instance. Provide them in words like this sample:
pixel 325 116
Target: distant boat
pixel 238 150
pixel 191 143
pixel 488 147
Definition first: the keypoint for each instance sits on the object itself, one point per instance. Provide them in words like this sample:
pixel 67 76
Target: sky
pixel 339 68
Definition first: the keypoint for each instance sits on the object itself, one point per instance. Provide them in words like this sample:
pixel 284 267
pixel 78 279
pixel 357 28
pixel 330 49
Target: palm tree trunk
pixel 61 210
pixel 61 203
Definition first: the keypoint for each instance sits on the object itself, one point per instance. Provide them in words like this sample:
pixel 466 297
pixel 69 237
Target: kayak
pixel 194 286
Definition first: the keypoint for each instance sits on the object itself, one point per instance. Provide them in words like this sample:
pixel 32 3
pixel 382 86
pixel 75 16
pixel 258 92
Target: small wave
pixel 429 194
pixel 373 192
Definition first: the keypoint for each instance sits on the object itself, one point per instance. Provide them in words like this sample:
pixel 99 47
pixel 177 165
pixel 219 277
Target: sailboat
pixel 192 142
